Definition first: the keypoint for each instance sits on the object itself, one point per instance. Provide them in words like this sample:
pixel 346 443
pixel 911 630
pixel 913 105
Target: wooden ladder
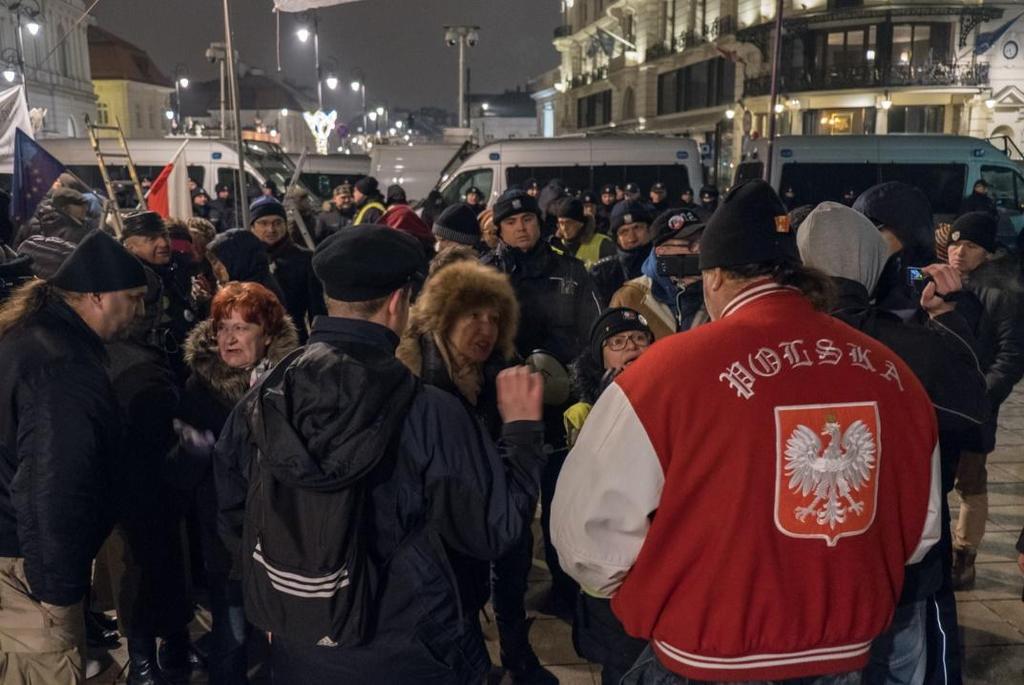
pixel 101 159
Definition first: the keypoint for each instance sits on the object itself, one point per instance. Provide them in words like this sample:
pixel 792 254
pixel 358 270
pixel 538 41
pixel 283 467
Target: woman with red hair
pixel 247 333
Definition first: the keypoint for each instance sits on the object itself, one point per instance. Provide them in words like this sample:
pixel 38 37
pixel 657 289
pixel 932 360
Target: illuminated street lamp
pixel 461 37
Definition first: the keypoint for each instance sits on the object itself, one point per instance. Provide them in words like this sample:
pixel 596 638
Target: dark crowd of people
pixel 736 422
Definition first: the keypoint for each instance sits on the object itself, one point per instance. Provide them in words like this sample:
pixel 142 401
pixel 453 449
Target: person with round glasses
pixel 617 339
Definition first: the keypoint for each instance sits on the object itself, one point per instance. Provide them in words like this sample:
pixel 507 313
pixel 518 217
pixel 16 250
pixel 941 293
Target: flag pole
pixel 241 192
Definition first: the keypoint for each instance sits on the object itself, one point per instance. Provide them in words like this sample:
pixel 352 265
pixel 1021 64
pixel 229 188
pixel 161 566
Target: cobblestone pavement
pixel 991 615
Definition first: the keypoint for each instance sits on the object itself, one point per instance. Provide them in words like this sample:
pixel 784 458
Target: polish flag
pixel 169 195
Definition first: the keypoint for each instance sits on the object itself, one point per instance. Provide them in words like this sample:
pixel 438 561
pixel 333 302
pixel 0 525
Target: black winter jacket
pixel 941 353
pixel 448 486
pixel 556 296
pixel 60 440
pixel 292 267
pixel 52 223
pixel 611 273
pixel 1000 334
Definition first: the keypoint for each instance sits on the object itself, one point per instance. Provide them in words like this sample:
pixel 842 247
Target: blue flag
pixel 35 170
pixel 986 40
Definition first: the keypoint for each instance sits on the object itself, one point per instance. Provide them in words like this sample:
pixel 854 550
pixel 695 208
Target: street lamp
pixel 358 85
pixel 332 82
pixel 180 81
pixel 284 111
pixel 31 10
pixel 303 34
pixel 462 36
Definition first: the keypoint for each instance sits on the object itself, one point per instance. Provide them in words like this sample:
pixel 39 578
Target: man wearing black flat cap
pixel 630 226
pixel 145 236
pixel 344 422
pixel 368 200
pixel 669 302
pixel 60 442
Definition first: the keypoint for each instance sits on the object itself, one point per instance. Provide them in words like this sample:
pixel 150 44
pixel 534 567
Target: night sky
pixel 398 44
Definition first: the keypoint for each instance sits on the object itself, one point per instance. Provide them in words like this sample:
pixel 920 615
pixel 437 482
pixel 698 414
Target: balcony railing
pixel 896 76
pixel 719 28
pixel 599 74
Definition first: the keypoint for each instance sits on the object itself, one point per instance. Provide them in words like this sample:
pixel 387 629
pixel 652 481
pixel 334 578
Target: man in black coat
pixel 432 479
pixel 290 264
pixel 558 306
pixel 991 275
pixel 60 447
pixel 222 214
pixel 630 226
pixel 146 236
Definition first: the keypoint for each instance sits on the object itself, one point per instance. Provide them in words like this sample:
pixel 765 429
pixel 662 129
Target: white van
pixel 209 161
pixel 582 163
pixel 323 173
pixel 945 167
pixel 416 168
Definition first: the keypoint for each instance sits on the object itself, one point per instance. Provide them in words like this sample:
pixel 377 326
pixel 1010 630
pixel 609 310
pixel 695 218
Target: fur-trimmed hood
pixel 202 357
pixel 454 290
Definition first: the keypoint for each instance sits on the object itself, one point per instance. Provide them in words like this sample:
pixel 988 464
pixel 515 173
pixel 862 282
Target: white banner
pixel 13 115
pixel 303 5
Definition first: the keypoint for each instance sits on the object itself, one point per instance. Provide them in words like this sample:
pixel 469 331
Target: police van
pixel 945 167
pixel 581 163
pixel 323 173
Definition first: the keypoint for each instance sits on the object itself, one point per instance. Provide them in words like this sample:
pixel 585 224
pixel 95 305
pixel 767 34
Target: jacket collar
pixel 333 330
pixel 60 310
pixel 754 292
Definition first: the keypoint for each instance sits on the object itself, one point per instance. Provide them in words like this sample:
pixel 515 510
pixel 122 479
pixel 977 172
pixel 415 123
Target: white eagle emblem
pixel 835 475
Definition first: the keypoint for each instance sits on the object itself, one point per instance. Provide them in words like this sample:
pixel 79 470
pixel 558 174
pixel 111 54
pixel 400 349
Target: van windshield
pixel 274 165
pixel 814 183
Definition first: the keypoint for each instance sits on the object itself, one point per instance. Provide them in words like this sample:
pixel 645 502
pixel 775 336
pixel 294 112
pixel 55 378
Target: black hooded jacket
pixel 292 268
pixel 611 273
pixel 341 403
pixel 245 258
pixel 556 296
pixel 60 441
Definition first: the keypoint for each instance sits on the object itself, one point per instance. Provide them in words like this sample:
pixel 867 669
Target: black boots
pixel 142 665
pixel 518 658
pixel 176 658
pixel 99 633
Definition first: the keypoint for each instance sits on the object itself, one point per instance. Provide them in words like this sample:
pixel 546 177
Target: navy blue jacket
pixel 447 486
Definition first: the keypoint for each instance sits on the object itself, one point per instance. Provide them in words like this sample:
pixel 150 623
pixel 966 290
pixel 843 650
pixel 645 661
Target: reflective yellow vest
pixel 361 214
pixel 590 251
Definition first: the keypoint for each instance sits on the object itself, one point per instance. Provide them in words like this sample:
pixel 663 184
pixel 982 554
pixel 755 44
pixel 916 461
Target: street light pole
pixel 772 115
pixel 462 36
pixel 316 60
pixel 462 83
pixel 241 193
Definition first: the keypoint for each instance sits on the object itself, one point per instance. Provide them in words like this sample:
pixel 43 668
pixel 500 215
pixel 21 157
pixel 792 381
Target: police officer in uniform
pixel 558 307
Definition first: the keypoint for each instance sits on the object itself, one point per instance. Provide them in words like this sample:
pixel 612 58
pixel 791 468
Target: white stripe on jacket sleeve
pixel 610 484
pixel 933 520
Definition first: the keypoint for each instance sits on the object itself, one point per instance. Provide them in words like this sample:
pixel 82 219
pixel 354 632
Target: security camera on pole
pixel 462 36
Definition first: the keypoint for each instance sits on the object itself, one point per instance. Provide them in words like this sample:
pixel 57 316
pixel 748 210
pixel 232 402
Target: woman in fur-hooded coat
pixel 452 292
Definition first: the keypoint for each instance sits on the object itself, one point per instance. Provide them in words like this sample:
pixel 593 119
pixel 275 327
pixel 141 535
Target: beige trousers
pixel 40 643
pixel 972 486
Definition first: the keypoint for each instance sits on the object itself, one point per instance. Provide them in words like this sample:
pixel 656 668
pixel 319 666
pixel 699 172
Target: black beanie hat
pixel 978 227
pixel 99 264
pixel 514 202
pixel 570 208
pixel 629 212
pixel 142 224
pixel 368 185
pixel 612 322
pixel 367 262
pixel 903 209
pixel 396 195
pixel 264 207
pixel 459 224
pixel 751 226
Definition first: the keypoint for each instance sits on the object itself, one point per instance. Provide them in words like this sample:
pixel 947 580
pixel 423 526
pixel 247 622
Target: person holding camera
pixel 669 293
pixel 990 274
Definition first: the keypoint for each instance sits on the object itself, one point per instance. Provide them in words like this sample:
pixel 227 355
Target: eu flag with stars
pixel 35 170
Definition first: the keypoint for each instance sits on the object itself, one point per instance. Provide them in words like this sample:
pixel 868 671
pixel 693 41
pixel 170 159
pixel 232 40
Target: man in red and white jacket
pixel 749 492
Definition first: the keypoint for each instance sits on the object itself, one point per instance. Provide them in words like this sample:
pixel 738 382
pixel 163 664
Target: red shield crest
pixel 826 469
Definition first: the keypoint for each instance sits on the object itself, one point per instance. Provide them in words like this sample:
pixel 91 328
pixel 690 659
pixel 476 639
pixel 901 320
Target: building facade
pixel 702 69
pixel 130 89
pixel 56 62
pixel 501 116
